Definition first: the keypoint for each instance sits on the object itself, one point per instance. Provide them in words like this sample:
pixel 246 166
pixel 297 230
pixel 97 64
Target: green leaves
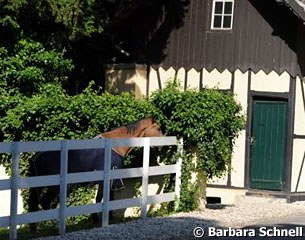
pixel 53 114
pixel 208 120
pixel 31 66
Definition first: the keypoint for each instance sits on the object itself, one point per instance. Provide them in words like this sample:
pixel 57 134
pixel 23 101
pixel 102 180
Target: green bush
pixel 53 115
pixel 208 121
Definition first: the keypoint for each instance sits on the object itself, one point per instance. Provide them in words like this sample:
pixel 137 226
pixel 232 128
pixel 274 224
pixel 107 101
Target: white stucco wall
pixel 216 79
pixel 298 157
pixel 271 82
pixel 298 166
pixel 238 157
pixel 222 81
pixel 5 197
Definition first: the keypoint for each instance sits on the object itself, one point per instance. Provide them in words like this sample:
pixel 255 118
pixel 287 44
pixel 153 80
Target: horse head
pixel 154 130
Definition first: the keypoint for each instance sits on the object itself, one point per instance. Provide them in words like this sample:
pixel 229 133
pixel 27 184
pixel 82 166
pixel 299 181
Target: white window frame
pixel 222 15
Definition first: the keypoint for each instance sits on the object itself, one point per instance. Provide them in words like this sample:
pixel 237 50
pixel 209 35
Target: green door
pixel 268 145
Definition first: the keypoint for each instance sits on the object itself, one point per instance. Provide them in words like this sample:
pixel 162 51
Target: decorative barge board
pixel 254 49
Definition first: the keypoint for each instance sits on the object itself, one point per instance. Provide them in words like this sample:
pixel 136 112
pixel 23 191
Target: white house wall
pixel 5 197
pixel 298 157
pixel 193 79
pixel 260 82
pixel 213 79
pixel 299 124
pixel 238 157
pixel 271 82
pixel 216 79
pixel 298 166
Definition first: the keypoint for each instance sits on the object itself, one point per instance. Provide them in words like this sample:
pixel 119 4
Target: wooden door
pixel 268 145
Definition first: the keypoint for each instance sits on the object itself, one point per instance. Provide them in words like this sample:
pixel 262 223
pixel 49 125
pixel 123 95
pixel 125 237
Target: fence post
pixel 178 172
pixel 106 185
pixel 146 153
pixel 14 190
pixel 63 186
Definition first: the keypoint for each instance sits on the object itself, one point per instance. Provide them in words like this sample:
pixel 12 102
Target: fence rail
pixel 16 182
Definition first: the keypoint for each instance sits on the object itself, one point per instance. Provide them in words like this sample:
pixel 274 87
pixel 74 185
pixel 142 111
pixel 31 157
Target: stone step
pixel 259 199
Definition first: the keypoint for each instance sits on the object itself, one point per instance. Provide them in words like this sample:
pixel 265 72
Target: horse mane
pixel 132 127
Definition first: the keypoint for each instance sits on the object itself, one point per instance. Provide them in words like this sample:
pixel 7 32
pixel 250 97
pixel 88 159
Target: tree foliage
pixel 44 54
pixel 72 27
pixel 30 66
pixel 62 20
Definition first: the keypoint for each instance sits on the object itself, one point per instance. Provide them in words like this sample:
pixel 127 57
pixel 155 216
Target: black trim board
pixel 159 79
pixel 232 81
pixel 248 132
pixel 225 187
pixel 298 136
pixel 148 81
pixel 201 80
pixel 269 95
pixel 185 80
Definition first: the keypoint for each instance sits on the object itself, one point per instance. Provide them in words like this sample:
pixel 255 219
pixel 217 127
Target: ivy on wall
pixel 209 121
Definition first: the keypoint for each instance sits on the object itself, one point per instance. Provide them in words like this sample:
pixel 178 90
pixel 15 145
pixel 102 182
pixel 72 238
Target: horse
pixel 48 163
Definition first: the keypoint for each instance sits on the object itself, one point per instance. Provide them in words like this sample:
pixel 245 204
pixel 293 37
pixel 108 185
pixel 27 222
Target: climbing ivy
pixel 209 121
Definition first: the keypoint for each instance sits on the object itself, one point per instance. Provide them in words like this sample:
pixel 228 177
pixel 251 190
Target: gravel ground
pixel 181 225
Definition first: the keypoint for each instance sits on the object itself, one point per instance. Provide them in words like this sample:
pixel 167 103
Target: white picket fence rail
pixel 16 182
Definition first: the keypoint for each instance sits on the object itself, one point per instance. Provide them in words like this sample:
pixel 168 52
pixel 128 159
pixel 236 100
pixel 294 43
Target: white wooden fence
pixel 16 182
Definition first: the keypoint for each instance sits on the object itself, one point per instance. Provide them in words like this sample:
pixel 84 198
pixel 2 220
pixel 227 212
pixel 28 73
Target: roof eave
pixel 296 8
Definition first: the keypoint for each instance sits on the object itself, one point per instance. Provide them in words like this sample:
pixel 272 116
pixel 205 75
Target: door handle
pixel 252 140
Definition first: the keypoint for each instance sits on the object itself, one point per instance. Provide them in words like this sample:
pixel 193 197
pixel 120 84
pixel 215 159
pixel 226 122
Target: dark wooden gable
pixel 266 36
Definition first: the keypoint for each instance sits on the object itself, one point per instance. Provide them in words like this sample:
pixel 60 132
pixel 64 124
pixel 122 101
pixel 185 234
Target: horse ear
pixel 153 119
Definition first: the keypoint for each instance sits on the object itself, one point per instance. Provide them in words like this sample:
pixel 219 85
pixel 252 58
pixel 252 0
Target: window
pixel 222 14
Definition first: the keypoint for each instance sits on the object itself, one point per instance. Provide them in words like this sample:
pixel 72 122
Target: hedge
pixel 208 120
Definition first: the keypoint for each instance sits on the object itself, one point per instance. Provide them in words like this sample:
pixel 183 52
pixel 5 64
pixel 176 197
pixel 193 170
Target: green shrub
pixel 53 115
pixel 208 121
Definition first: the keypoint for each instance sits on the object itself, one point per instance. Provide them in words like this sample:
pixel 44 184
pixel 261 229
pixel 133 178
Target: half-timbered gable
pixel 252 48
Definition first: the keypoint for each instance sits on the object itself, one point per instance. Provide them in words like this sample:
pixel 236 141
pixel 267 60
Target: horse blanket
pixel 83 160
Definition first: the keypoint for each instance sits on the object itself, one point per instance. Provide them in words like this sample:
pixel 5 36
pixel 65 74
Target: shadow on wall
pixel 130 78
pixel 133 187
pixel 116 79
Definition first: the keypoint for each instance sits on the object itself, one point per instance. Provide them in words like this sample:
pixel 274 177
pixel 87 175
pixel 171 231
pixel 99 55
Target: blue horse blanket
pixel 48 163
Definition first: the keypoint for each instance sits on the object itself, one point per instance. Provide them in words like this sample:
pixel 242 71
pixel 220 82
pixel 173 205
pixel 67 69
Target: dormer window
pixel 222 14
